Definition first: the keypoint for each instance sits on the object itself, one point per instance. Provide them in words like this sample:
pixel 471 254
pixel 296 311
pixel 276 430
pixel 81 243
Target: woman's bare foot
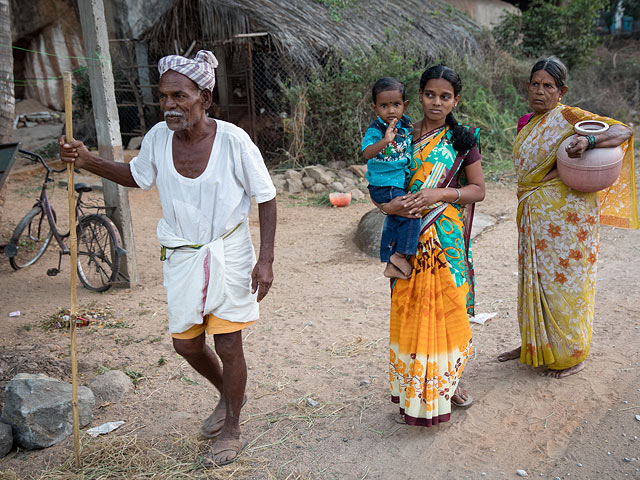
pixel 401 263
pixel 391 271
pixel 565 372
pixel 510 355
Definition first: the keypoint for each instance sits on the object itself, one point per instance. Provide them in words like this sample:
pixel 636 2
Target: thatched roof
pixel 305 30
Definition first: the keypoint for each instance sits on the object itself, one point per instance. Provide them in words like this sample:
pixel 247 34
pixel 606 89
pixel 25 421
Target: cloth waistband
pixel 196 246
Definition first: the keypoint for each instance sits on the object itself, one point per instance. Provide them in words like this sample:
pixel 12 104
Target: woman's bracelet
pixel 592 141
pixel 381 210
pixel 458 192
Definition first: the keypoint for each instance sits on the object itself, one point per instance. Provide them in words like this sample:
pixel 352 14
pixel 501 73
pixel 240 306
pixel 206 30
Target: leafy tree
pixel 566 31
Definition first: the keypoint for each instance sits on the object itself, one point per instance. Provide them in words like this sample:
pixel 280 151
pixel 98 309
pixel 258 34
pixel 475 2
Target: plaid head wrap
pixel 201 69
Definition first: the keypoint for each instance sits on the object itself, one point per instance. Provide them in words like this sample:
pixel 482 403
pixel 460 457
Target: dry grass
pixel 353 348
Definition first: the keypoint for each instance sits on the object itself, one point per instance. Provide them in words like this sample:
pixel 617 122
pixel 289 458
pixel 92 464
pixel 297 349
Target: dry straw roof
pixel 305 30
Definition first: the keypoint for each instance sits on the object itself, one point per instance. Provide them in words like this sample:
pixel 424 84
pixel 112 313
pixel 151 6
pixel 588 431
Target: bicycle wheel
pixel 31 238
pixel 98 260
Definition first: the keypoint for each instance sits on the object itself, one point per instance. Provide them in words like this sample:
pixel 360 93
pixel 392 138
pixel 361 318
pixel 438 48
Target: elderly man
pixel 205 170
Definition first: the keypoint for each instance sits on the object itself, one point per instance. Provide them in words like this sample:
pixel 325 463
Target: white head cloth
pixel 200 69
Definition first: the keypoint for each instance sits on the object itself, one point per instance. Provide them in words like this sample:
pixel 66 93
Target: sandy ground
pixel 323 335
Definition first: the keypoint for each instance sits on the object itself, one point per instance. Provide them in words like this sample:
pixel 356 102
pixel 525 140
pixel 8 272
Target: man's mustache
pixel 173 113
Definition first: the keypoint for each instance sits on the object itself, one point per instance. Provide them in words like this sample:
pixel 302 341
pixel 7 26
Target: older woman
pixel 558 226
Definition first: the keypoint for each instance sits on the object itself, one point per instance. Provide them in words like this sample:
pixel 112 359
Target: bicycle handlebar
pixel 44 164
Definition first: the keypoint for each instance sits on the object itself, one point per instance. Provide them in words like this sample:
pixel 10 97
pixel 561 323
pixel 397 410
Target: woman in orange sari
pixel 430 335
pixel 558 226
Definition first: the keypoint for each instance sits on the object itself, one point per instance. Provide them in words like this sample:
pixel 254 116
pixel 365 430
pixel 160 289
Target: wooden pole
pixel 73 270
pixel 105 114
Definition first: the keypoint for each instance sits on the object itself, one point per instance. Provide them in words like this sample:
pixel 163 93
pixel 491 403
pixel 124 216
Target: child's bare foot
pixel 401 263
pixel 391 271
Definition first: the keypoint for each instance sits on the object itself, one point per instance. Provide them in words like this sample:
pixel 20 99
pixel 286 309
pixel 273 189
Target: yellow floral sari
pixel 558 241
pixel 430 335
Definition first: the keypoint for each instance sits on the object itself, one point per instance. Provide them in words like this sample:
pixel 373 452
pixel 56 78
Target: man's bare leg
pixel 234 376
pixel 510 355
pixel 565 372
pixel 200 356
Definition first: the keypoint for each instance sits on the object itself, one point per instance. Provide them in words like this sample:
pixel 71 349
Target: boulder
pixel 292 174
pixel 346 175
pixel 39 409
pixel 111 386
pixel 368 233
pixel 134 143
pixel 279 182
pixel 308 182
pixel 336 187
pixel 319 174
pixel 293 185
pixel 319 188
pixel 356 194
pixel 6 439
pixel 360 171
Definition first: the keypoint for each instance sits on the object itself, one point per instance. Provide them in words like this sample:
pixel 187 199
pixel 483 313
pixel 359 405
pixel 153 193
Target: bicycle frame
pixel 43 202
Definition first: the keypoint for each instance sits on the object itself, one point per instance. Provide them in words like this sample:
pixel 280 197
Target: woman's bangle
pixel 458 192
pixel 381 209
pixel 592 141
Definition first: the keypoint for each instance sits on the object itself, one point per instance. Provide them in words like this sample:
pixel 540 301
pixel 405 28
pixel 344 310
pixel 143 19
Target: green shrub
pixel 567 30
pixel 332 111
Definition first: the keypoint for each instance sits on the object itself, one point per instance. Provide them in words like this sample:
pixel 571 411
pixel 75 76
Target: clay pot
pixel 340 199
pixel 595 170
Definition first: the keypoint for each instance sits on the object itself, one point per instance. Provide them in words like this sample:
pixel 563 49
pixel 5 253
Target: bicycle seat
pixel 82 187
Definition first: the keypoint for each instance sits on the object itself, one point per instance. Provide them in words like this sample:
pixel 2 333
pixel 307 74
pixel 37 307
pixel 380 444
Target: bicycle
pixel 99 245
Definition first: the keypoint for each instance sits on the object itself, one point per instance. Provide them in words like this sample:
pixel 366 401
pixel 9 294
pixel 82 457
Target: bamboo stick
pixel 73 246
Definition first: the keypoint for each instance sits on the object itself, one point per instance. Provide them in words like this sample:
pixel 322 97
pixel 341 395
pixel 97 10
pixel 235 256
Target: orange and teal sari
pixel 558 241
pixel 430 335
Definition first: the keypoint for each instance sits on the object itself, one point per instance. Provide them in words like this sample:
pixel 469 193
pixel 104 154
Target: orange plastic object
pixel 340 199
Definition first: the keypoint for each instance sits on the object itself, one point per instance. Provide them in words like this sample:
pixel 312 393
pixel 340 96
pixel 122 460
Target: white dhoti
pixel 210 279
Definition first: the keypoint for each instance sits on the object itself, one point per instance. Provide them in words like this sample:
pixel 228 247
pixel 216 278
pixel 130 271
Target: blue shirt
pixel 388 168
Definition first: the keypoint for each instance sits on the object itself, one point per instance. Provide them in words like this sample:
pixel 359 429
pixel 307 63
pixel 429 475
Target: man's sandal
pixel 212 425
pixel 231 448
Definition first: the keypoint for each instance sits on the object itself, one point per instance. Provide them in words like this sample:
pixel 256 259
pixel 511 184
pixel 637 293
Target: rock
pixel 6 439
pixel 368 233
pixel 481 221
pixel 39 409
pixel 360 171
pixel 111 386
pixel 293 185
pixel 134 143
pixel 308 182
pixel 279 182
pixel 319 174
pixel 337 187
pixel 319 188
pixel 522 473
pixel 337 164
pixel 30 124
pixel 346 175
pixel 356 194
pixel 292 174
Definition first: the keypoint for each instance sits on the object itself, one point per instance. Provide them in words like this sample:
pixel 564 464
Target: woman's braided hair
pixel 461 137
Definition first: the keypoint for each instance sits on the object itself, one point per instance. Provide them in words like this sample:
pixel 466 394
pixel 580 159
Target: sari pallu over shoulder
pixel 430 336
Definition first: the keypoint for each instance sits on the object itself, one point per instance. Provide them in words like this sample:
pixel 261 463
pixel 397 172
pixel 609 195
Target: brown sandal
pixel 212 425
pixel 233 445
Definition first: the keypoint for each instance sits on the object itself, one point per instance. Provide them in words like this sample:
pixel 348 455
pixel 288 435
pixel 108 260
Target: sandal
pixel 233 446
pixel 465 403
pixel 212 425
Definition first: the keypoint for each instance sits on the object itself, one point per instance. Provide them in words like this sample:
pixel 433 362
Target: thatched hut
pixel 263 44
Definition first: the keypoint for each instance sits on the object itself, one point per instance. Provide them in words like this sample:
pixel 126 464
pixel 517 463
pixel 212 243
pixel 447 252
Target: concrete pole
pixel 105 112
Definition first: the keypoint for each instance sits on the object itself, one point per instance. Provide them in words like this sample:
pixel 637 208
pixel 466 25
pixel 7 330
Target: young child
pixel 387 148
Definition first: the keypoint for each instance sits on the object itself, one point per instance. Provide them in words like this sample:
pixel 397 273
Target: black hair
pixel 387 84
pixel 462 138
pixel 554 67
